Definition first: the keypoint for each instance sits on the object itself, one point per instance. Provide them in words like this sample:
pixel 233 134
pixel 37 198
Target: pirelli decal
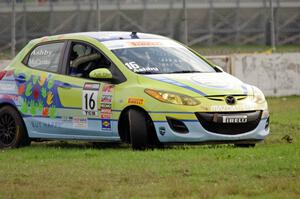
pixel 136 101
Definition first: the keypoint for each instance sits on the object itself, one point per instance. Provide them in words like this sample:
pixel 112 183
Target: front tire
pixel 13 133
pixel 138 130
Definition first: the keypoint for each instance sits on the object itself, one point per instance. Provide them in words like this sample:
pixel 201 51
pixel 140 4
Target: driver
pixel 83 60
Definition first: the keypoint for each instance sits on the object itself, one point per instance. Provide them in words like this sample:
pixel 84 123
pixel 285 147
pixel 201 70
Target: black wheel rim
pixel 8 129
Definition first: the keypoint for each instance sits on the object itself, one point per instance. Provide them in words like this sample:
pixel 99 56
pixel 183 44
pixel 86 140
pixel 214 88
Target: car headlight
pixel 172 98
pixel 258 95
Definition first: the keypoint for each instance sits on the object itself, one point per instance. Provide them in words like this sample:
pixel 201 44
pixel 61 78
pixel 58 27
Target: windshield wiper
pixel 186 71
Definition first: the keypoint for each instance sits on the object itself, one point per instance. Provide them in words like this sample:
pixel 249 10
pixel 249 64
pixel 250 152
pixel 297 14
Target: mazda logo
pixel 230 100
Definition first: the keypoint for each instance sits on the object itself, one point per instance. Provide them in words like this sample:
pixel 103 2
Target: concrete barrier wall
pixel 275 74
pixel 4 64
pixel 223 61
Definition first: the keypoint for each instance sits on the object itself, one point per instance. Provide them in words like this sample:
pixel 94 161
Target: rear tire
pixel 138 130
pixel 13 133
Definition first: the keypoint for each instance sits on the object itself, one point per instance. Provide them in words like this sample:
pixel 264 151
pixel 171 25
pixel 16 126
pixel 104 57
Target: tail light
pixel 2 74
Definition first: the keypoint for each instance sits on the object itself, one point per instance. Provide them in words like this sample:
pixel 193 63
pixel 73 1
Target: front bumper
pixel 197 133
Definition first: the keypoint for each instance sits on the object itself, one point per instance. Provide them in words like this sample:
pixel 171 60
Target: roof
pixel 114 35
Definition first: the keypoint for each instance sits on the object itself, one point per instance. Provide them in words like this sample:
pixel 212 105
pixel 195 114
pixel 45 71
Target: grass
pixel 77 170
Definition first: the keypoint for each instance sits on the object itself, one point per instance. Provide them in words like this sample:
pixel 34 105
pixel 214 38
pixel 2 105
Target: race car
pixel 143 89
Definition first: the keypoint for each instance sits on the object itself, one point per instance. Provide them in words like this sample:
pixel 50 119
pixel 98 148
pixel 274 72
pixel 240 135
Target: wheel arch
pixel 12 105
pixel 25 139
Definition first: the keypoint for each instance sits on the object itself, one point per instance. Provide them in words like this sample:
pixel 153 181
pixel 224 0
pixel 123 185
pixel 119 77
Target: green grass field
pixel 77 170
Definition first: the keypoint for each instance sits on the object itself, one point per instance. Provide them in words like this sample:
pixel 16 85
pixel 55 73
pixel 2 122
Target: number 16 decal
pixel 89 99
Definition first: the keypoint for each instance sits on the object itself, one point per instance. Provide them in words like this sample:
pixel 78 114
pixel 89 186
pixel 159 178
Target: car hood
pixel 205 84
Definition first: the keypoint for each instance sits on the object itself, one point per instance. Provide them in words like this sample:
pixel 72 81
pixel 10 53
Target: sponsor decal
pixel 136 100
pixel 91 86
pixel 235 119
pixel 90 113
pixel 106 105
pixel 118 44
pixel 89 99
pixel 144 43
pixel 106 102
pixel 105 115
pixel 8 86
pixel 106 124
pixel 47 124
pixel 106 98
pixel 66 119
pixel 80 122
pixel 136 68
pixel 231 108
pixel 106 110
pixel 107 89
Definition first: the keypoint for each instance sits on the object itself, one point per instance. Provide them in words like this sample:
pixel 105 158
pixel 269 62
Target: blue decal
pixel 174 82
pixel 106 124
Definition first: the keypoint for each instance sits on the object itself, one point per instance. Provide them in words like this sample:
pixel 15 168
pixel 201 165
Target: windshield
pixel 162 60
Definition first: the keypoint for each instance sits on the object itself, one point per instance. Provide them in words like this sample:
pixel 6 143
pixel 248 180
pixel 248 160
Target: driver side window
pixel 84 58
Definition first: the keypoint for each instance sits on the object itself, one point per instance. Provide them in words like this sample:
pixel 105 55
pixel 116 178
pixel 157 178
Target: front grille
pixel 222 97
pixel 213 122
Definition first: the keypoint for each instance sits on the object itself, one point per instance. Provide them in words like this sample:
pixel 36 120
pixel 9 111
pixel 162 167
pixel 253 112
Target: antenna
pixel 134 35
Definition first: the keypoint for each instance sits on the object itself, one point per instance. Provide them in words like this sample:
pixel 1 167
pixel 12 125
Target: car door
pixel 86 103
pixel 37 85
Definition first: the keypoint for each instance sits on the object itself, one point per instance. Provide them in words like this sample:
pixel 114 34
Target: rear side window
pixel 46 57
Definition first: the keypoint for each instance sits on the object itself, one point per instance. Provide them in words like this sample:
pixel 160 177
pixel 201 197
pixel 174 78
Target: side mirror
pixel 100 73
pixel 219 68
